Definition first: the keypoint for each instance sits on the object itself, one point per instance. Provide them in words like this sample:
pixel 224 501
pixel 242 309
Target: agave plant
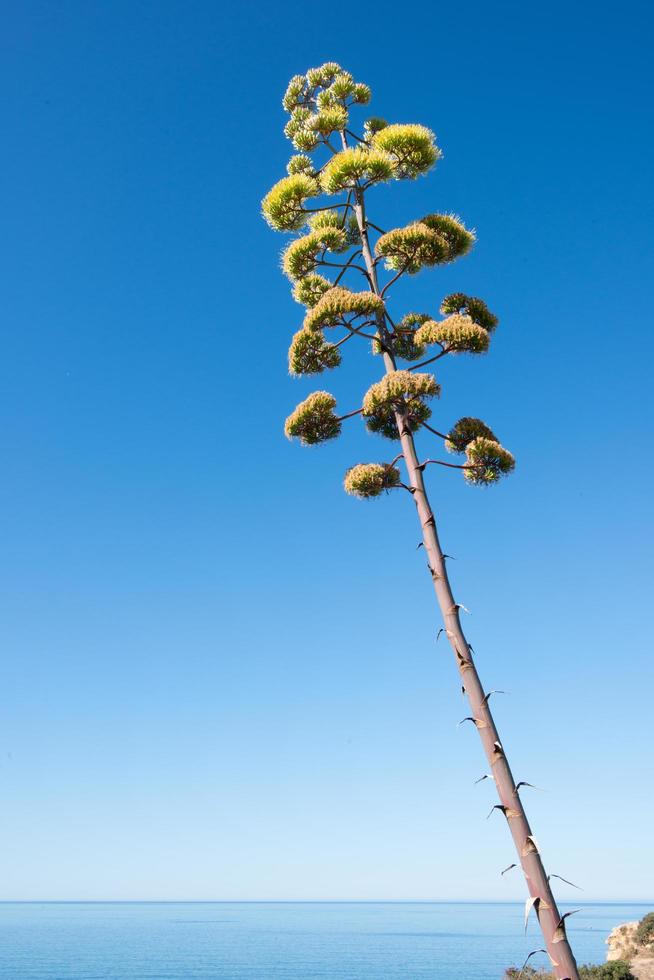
pixel 323 201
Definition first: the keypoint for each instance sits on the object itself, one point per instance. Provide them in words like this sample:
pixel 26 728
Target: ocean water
pixel 282 941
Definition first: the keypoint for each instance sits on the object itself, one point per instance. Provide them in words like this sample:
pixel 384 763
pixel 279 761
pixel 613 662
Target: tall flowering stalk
pixel 323 200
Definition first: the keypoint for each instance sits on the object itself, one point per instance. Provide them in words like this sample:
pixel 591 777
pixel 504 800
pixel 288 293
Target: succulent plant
pixel 323 202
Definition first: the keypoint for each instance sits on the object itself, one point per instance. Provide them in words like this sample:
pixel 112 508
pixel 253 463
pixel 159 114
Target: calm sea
pixel 284 941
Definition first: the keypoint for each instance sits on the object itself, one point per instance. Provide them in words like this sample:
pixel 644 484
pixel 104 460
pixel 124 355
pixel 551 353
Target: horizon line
pixel 306 901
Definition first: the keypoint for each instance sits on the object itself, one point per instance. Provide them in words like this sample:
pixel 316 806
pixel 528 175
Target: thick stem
pixel 549 917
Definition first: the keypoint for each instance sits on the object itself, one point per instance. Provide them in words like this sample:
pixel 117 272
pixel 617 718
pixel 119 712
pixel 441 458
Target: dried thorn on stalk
pixel 532 902
pixel 487 696
pixel 478 722
pixel 559 932
pixel 533 953
pixel 523 783
pixel 566 881
pixel 469 718
pixel 506 810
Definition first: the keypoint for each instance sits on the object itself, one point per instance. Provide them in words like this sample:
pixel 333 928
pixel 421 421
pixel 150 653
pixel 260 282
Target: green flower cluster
pixel 459 239
pixel 323 75
pixel 457 334
pixel 310 353
pixel 366 480
pixel 317 103
pixel 464 431
pixel 403 341
pixel 411 248
pixel 470 306
pixel 326 121
pixel 434 240
pixel 338 303
pixel 412 148
pixel 301 256
pixel 283 205
pixel 355 164
pixel 400 391
pixel 295 94
pixel 325 219
pixel 313 420
pixel 372 126
pixel 300 163
pixel 301 135
pixel 488 461
pixel 309 289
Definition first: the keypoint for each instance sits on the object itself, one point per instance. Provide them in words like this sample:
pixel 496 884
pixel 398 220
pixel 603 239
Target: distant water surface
pixel 282 941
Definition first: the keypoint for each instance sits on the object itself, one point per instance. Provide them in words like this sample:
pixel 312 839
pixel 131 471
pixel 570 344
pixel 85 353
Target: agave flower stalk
pixel 396 407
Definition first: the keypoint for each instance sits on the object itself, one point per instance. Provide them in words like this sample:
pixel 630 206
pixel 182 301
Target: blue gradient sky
pixel 220 678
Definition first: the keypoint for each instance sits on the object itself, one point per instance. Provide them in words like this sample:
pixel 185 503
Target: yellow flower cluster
pixel 309 353
pixel 488 461
pixel 326 121
pixel 411 248
pixel 470 306
pixel 283 205
pixel 338 303
pixel 366 480
pixel 313 420
pixel 294 93
pixel 434 240
pixel 459 239
pixel 457 334
pixel 355 164
pixel 400 391
pixel 301 256
pixel 464 431
pixel 309 289
pixel 324 74
pixel 403 341
pixel 317 103
pixel 412 148
pixel 300 163
pixel 296 129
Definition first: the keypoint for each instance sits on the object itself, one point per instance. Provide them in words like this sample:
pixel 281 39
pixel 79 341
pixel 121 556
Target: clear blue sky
pixel 220 678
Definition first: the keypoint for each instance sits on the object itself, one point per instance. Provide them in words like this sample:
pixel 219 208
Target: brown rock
pixel 621 942
pixel 622 946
